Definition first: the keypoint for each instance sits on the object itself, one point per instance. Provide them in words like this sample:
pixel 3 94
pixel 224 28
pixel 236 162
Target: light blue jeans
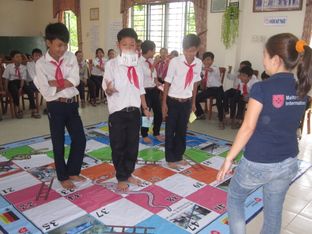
pixel 275 178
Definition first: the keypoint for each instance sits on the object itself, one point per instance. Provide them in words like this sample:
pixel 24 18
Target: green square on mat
pixel 151 154
pixel 51 154
pixel 103 154
pixel 237 159
pixel 21 150
pixel 197 155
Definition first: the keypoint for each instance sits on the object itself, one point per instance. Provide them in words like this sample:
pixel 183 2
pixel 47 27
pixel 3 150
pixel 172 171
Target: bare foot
pixel 160 137
pixel 183 162
pixel 67 184
pixel 77 178
pixel 147 140
pixel 173 165
pixel 122 186
pixel 134 181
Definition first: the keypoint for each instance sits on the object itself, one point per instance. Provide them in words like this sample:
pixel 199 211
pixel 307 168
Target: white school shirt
pixel 127 95
pixel 83 71
pixel 176 74
pixel 250 83
pixel 96 71
pixel 31 70
pixel 148 76
pixel 10 72
pixel 214 77
pixel 45 71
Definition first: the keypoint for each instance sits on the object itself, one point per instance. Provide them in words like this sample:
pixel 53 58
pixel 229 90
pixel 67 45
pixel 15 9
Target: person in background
pixel 83 74
pixel 111 53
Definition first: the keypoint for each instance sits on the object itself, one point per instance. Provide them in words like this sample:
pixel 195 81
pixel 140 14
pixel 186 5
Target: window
pixel 70 20
pixel 165 24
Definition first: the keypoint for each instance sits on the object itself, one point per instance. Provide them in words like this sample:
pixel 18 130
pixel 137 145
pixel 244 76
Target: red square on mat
pixel 25 199
pixel 211 198
pixel 102 171
pixel 92 198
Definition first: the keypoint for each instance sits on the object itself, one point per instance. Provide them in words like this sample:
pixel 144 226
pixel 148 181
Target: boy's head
pixel 16 57
pixel 173 54
pixel 79 55
pixel 127 39
pixel 36 54
pixel 57 38
pixel 111 53
pixel 245 74
pixel 99 52
pixel 163 53
pixel 208 58
pixel 191 43
pixel 148 48
pixel 245 63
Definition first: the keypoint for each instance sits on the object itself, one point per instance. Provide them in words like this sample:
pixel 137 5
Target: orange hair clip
pixel 300 44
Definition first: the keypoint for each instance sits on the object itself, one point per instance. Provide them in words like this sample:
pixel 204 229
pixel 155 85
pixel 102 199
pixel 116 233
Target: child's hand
pixel 225 169
pixel 67 84
pixel 110 90
pixel 147 113
pixel 53 83
pixel 193 108
pixel 164 111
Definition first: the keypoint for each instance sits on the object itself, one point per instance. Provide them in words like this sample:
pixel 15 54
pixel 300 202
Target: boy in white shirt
pixel 15 75
pixel 96 78
pixel 123 85
pixel 179 99
pixel 239 100
pixel 57 78
pixel 211 87
pixel 83 74
pixel 152 93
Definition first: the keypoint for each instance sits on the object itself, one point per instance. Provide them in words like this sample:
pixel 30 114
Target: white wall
pixel 31 17
pixel 251 25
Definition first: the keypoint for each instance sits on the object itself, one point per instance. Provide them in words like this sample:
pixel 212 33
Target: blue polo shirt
pixel 275 139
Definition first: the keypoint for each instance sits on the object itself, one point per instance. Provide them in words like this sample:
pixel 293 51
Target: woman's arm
pixel 245 132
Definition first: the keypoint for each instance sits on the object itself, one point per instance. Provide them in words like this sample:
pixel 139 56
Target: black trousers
pixel 124 137
pixel 228 95
pixel 237 101
pixel 81 89
pixel 14 86
pixel 95 84
pixel 216 92
pixel 176 126
pixel 153 102
pixel 63 115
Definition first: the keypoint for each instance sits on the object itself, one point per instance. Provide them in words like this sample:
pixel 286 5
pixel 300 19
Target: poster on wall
pixel 276 5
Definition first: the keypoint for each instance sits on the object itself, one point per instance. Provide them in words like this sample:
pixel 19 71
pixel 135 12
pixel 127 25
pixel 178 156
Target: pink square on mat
pixel 25 199
pixel 154 198
pixel 211 198
pixel 92 198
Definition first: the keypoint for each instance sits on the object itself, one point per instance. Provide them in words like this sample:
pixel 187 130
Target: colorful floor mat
pixel 187 200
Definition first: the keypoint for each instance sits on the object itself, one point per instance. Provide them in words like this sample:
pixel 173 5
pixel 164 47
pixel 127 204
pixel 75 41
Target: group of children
pixel 17 80
pixel 135 86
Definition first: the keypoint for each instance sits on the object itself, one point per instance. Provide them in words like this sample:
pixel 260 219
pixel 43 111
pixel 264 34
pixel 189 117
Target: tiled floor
pixel 297 213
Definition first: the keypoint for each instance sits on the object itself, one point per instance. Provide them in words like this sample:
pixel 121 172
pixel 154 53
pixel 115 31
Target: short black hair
pixel 264 75
pixel 246 70
pixel 246 63
pixel 147 45
pixel 14 52
pixel 36 50
pixel 174 53
pixel 110 50
pixel 208 55
pixel 57 31
pixel 127 32
pixel 77 52
pixel 191 40
pixel 99 49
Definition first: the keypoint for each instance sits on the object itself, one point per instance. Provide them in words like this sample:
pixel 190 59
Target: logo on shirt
pixel 278 100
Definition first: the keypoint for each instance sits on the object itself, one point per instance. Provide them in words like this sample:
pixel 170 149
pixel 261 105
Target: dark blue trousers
pixel 63 115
